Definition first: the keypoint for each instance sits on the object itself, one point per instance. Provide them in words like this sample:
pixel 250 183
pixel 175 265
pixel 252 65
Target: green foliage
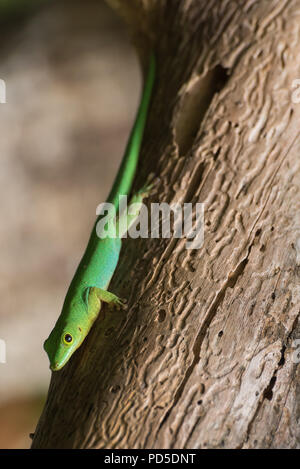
pixel 10 9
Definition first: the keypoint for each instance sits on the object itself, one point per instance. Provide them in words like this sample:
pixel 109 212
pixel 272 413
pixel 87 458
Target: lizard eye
pixel 68 339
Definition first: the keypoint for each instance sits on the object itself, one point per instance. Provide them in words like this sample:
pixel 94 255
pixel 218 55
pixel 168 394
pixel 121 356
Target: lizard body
pixel 88 288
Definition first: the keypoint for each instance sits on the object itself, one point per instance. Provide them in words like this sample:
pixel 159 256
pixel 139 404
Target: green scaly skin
pixel 89 286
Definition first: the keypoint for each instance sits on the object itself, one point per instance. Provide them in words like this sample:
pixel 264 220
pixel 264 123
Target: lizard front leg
pixel 96 295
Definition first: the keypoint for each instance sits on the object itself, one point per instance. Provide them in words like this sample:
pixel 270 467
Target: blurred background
pixel 73 86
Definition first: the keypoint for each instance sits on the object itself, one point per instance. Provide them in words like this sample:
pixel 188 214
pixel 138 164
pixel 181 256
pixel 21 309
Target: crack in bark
pixel 230 283
pixel 268 391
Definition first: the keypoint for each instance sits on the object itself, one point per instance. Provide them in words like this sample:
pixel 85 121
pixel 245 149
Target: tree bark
pixel 204 357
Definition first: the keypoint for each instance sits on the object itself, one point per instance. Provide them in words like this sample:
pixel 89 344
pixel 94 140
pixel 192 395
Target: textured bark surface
pixel 203 357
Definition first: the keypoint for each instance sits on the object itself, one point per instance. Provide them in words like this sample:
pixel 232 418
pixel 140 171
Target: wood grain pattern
pixel 203 357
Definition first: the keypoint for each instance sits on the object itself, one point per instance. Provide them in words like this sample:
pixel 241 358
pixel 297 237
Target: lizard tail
pixel 124 179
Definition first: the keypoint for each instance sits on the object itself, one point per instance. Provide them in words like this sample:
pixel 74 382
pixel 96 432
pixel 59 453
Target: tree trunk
pixel 204 357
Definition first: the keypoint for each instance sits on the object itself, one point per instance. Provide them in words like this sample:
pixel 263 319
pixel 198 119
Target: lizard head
pixel 62 343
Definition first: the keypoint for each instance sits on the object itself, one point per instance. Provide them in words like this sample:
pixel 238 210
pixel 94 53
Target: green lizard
pixel 88 288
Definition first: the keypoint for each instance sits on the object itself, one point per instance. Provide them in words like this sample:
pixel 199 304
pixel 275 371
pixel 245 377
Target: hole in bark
pixel 194 104
pixel 233 277
pixel 268 393
pixel 220 334
pixel 282 359
pixel 115 389
pixel 199 402
pixel 215 156
pixel 161 315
